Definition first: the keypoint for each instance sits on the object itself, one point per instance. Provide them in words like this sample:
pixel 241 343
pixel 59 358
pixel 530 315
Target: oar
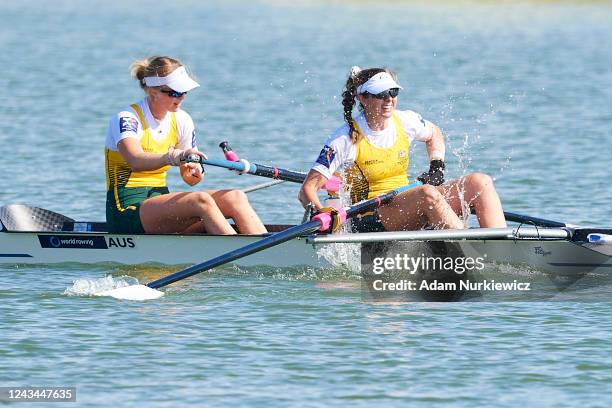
pixel 333 183
pixel 527 219
pixel 320 222
pixel 233 162
pixel 243 166
pixel 538 222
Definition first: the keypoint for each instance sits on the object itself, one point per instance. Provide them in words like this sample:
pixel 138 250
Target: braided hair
pixel 356 78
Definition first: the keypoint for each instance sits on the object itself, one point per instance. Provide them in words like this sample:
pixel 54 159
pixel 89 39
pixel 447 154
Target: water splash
pixel 92 287
pixel 342 256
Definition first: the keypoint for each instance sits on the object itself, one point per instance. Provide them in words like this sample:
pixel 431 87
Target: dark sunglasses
pixel 393 92
pixel 172 93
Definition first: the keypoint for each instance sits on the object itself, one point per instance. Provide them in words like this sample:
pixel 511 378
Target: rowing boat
pixel 31 235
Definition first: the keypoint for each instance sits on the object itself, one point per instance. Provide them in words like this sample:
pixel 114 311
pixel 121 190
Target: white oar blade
pixel 133 292
pixel 123 287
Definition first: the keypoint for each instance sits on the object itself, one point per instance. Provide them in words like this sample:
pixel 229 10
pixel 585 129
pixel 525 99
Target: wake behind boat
pixel 31 235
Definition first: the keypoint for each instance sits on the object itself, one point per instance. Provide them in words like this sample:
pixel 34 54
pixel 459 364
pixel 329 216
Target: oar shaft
pixel 275 239
pixel 526 219
pixel 378 201
pixel 258 170
pixel 270 241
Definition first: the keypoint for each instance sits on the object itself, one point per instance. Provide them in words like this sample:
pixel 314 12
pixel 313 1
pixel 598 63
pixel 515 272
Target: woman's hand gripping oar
pixel 320 222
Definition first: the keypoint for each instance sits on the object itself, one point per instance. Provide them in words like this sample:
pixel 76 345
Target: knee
pixel 479 181
pixel 236 198
pixel 430 195
pixel 203 199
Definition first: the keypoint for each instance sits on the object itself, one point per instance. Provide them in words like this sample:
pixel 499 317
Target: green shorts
pixel 126 218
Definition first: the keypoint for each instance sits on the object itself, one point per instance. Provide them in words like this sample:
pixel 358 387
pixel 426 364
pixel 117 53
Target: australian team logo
pixel 128 124
pixel 326 156
pixel 401 154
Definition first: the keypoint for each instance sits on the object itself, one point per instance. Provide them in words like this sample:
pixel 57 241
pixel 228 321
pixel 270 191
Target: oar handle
pixel 228 152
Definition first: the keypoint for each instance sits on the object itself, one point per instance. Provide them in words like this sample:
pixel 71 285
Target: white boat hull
pixel 559 256
pixel 30 235
pixel 89 248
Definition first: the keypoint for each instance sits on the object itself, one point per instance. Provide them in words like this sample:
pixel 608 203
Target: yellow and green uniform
pixel 378 170
pixel 378 161
pixel 126 188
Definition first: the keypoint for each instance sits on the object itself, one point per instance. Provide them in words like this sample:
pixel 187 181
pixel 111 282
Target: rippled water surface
pixel 522 91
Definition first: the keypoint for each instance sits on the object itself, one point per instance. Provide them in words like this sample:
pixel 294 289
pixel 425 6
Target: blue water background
pixel 521 91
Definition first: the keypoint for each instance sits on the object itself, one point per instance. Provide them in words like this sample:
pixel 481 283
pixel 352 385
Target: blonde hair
pixel 153 66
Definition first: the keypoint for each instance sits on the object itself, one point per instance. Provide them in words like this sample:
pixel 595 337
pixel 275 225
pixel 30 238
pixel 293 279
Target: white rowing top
pixel 127 124
pixel 342 151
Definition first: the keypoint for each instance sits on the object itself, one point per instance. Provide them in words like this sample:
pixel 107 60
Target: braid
pixel 355 79
pixel 348 101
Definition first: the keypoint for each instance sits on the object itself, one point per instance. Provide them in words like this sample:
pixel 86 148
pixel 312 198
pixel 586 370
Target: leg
pixel 418 207
pixel 183 212
pixel 235 204
pixel 476 190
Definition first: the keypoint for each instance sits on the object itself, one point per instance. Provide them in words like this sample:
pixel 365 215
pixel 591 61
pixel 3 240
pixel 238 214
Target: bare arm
pixel 138 160
pixel 435 145
pixel 308 193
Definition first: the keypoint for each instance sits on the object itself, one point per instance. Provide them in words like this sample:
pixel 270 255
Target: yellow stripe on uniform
pixel 119 173
pixel 379 170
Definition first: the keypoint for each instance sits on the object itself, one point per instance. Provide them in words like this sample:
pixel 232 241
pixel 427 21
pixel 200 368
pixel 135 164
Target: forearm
pixel 147 161
pixel 435 146
pixel 311 186
pixel 138 160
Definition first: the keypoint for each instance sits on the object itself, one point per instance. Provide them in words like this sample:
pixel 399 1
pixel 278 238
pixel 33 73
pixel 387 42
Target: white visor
pixel 377 84
pixel 178 80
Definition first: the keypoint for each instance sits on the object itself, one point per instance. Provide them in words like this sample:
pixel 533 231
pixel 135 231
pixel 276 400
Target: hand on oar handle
pixel 175 157
pixel 331 218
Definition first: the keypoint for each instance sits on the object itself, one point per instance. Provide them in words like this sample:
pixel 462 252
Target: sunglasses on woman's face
pixel 172 93
pixel 393 92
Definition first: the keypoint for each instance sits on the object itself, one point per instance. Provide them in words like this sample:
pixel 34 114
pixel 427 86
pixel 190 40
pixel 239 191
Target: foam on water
pixel 93 286
pixel 342 255
pixel 123 287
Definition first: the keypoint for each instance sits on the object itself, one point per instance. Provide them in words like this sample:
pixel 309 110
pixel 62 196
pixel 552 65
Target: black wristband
pixel 436 165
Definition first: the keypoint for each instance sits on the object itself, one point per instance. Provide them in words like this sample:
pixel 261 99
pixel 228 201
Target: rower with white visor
pixel 372 149
pixel 143 142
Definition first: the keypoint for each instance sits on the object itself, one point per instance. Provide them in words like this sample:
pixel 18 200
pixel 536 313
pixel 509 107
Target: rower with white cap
pixel 373 151
pixel 147 138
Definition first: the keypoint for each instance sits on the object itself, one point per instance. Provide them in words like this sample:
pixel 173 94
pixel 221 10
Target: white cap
pixel 179 80
pixel 377 84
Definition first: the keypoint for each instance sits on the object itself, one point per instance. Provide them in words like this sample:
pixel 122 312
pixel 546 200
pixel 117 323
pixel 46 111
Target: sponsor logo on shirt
pixel 371 162
pixel 127 124
pixel 326 156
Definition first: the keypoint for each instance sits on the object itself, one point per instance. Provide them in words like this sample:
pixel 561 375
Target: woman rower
pixel 373 150
pixel 142 142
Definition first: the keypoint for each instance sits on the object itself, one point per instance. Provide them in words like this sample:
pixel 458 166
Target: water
pixel 521 92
